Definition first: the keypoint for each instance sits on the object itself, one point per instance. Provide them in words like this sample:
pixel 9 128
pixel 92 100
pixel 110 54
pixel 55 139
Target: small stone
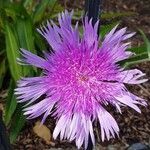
pixel 138 146
pixel 55 149
pixel 112 147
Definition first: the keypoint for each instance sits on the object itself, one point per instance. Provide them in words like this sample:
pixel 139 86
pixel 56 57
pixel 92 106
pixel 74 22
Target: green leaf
pixel 53 7
pixel 115 15
pixel 2 72
pixel 135 60
pixel 104 29
pixel 12 51
pixel 57 8
pixel 4 2
pixel 11 103
pixel 143 53
pixel 25 34
pixel 27 3
pixel 1 81
pixel 18 122
pixel 14 10
pixel 40 9
pixel 147 42
pixel 25 38
pixel 138 49
pixel 40 42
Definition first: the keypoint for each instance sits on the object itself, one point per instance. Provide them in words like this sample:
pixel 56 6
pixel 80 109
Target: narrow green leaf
pixel 52 7
pixel 147 42
pixel 17 124
pixel 2 72
pixel 24 29
pixel 1 81
pixel 14 10
pixel 40 9
pixel 115 15
pixel 4 2
pixel 12 51
pixel 25 33
pixel 135 60
pixel 40 42
pixel 11 103
pixel 77 13
pixel 138 49
pixel 104 29
pixel 27 3
pixel 55 9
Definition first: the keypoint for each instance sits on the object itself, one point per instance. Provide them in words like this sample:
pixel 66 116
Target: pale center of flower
pixel 83 78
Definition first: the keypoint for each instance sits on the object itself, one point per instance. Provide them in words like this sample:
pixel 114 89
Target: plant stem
pixel 92 10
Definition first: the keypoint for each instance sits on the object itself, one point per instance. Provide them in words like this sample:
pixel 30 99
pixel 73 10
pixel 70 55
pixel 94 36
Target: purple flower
pixel 80 79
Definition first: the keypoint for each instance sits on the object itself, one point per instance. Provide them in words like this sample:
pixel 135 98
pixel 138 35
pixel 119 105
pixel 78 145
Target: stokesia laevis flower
pixel 80 78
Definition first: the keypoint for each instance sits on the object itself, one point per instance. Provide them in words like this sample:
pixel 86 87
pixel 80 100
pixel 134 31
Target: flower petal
pixel 127 100
pixel 30 89
pixel 132 76
pixel 90 37
pixel 108 124
pixel 44 106
pixel 113 44
pixel 32 59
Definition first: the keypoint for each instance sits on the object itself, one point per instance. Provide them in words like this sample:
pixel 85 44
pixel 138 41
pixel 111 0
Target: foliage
pixel 18 23
pixel 142 53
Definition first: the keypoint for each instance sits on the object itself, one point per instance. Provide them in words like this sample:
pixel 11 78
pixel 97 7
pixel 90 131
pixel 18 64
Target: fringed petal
pixel 114 45
pixel 45 106
pixel 107 123
pixel 133 76
pixel 90 37
pixel 32 59
pixel 131 100
pixel 30 89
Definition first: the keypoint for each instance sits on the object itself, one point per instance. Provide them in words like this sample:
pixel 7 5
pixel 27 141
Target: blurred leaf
pixel 114 15
pixel 40 9
pixel 27 3
pixel 2 46
pixel 12 51
pixel 52 7
pixel 143 53
pixel 26 38
pixel 4 2
pixel 135 60
pixel 2 72
pixel 78 14
pixel 18 122
pixel 147 42
pixel 138 50
pixel 2 60
pixel 39 39
pixel 104 29
pixel 25 34
pixel 11 103
pixel 2 18
pixel 57 8
pixel 14 10
pixel 1 80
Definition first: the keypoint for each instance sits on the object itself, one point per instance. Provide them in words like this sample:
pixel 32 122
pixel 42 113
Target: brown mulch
pixel 134 127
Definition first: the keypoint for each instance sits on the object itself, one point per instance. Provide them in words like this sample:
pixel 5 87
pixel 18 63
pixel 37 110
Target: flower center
pixel 83 78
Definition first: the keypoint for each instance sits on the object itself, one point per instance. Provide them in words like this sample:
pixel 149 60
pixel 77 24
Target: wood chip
pixel 43 132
